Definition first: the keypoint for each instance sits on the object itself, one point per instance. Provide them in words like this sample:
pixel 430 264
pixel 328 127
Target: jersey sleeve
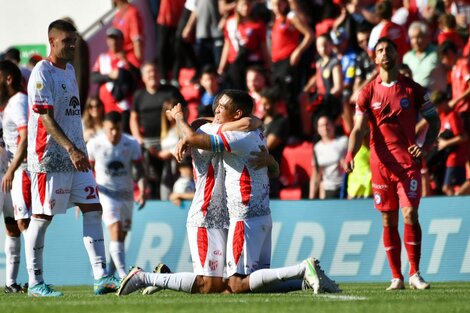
pixel 363 100
pixel 236 141
pixel 20 115
pixel 40 84
pixel 90 147
pixel 136 26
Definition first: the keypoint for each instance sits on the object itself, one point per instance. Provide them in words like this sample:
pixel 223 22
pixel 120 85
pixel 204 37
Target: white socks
pixel 118 256
pixel 12 259
pixel 34 249
pixel 94 242
pixel 265 279
pixel 174 281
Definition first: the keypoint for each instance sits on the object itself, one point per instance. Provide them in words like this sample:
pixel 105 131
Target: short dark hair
pixel 210 70
pixel 114 117
pixel 7 67
pixel 13 54
pixel 62 26
pixel 387 40
pixel 384 9
pixel 239 99
pixel 272 95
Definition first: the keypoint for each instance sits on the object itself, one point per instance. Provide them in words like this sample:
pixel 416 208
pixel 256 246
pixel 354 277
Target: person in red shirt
pixel 244 45
pixel 390 105
pixel 129 21
pixel 448 26
pixel 452 141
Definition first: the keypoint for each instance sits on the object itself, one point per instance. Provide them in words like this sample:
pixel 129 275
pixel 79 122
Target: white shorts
pixel 54 193
pixel 249 245
pixel 21 194
pixel 117 211
pixel 207 247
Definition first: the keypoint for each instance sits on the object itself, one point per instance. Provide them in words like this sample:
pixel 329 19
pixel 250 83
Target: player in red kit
pixel 390 105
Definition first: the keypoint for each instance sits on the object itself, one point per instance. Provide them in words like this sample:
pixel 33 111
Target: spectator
pixel 129 21
pixel 451 141
pixel 448 25
pixel 13 54
pixel 291 36
pixel 145 121
pixel 184 187
pixel 327 172
pixel 209 38
pixel 365 66
pixel 92 118
pixel 387 28
pixel 422 58
pixel 169 15
pixel 210 88
pixel 276 131
pixel 169 139
pixel 116 77
pixel 256 81
pixel 244 45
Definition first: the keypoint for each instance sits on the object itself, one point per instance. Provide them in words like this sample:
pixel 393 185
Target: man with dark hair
pixel 16 192
pixel 13 54
pixel 390 105
pixel 58 161
pixel 113 155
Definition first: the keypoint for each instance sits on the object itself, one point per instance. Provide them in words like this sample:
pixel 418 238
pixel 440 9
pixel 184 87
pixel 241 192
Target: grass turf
pixel 356 297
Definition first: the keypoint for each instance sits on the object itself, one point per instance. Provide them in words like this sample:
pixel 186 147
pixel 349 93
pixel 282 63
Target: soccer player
pixel 61 174
pixel 247 190
pixel 113 155
pixel 390 105
pixel 16 193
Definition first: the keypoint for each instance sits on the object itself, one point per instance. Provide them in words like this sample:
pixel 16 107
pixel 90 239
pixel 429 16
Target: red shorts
pixel 395 185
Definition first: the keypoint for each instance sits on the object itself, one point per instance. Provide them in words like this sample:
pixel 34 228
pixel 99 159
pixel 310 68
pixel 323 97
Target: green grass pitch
pixel 356 297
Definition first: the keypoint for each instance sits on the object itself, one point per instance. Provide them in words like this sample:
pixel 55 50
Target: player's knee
pixel 410 215
pixel 23 224
pixel 11 228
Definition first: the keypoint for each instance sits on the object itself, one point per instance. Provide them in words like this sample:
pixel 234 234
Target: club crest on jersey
pixel 377 198
pixel 39 86
pixel 405 103
pixel 74 107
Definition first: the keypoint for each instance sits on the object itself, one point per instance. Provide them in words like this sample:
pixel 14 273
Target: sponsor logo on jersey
pixel 116 169
pixel 405 103
pixel 74 107
pixel 378 186
pixel 213 264
pixel 217 252
pixel 376 105
pixel 62 191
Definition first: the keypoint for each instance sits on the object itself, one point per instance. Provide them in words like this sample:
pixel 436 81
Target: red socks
pixel 412 238
pixel 392 244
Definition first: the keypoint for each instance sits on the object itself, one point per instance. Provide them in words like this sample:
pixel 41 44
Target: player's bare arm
pixel 263 159
pixel 78 158
pixel 429 113
pixel 243 124
pixel 355 140
pixel 18 158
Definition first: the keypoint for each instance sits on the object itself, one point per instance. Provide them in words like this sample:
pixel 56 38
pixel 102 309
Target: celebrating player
pixel 390 104
pixel 57 160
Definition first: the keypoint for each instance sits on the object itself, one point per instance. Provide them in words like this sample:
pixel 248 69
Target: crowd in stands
pixel 303 62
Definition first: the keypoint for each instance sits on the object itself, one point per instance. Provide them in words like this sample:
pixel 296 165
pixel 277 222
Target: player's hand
pixel 177 109
pixel 261 158
pixel 442 144
pixel 80 160
pixel 348 167
pixel 180 150
pixel 7 181
pixel 415 151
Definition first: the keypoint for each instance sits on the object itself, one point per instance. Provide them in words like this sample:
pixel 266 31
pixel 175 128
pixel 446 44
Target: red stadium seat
pixel 296 168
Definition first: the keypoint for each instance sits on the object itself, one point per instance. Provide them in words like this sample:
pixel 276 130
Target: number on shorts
pixel 91 192
pixel 413 185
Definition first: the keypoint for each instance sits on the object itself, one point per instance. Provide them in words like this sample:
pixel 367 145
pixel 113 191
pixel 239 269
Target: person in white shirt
pixel 15 197
pixel 113 155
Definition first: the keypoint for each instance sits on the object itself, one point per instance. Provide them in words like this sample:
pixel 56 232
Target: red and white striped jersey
pixel 54 88
pixel 209 208
pixel 15 117
pixel 247 188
